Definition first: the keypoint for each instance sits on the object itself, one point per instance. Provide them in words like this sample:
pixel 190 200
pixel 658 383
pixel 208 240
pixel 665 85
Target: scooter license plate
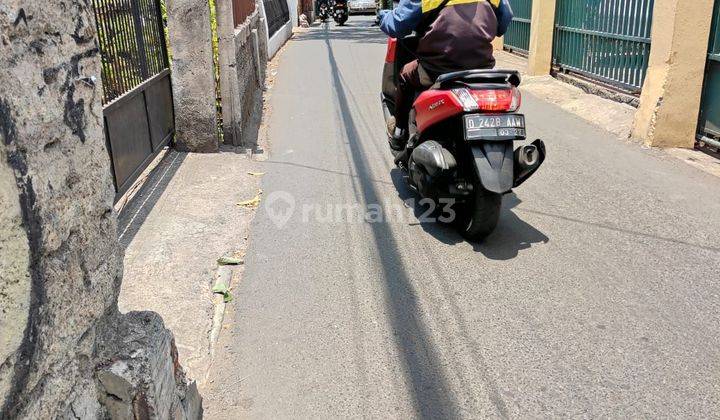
pixel 494 127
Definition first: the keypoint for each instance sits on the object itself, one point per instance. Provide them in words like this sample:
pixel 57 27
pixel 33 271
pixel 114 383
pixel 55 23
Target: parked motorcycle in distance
pixel 460 148
pixel 340 12
pixel 323 12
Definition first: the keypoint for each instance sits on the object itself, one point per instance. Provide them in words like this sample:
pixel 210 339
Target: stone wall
pixel 243 57
pixel 139 375
pixel 251 59
pixel 60 264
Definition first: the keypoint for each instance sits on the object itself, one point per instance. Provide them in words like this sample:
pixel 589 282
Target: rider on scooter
pixel 454 35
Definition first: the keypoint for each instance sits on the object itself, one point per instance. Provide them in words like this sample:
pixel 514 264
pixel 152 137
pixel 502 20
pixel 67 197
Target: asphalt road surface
pixel 597 296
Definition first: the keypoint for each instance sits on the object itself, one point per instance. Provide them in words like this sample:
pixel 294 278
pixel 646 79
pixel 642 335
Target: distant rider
pixel 456 36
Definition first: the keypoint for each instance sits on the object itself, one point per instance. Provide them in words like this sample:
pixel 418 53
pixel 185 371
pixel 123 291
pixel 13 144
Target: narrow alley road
pixel 597 296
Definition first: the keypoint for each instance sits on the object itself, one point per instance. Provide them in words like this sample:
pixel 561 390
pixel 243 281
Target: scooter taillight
pixel 489 100
pixel 391 47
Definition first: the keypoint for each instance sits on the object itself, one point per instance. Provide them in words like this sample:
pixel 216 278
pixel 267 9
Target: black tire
pixel 478 217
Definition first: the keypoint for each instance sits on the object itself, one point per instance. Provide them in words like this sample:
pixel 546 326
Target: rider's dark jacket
pixel 459 38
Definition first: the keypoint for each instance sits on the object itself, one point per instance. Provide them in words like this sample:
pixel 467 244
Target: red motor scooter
pixel 461 140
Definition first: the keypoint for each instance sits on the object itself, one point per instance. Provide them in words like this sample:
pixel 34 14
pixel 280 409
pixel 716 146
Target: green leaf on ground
pixel 229 261
pixel 222 289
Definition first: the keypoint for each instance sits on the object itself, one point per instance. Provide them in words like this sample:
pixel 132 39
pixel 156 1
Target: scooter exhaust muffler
pixel 527 156
pixel 528 159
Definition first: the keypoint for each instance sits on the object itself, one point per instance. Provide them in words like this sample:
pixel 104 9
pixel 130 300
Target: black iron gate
pixel 137 95
pixel 278 15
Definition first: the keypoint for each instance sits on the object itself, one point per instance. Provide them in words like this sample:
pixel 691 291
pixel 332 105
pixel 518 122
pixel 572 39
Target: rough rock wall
pixel 139 375
pixel 60 265
pixel 243 57
pixel 14 274
pixel 250 61
pixel 52 142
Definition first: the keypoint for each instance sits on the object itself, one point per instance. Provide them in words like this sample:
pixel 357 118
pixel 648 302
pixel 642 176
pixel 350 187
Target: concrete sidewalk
pixel 183 218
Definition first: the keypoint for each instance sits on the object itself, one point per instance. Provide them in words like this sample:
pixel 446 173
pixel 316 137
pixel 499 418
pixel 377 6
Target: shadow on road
pixel 433 398
pixel 511 236
pixel 357 31
pixel 138 208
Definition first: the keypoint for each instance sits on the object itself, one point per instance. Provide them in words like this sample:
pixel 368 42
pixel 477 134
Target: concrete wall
pixel 498 43
pixel 672 92
pixel 60 264
pixel 541 37
pixel 280 37
pixel 294 16
pixel 243 57
pixel 193 80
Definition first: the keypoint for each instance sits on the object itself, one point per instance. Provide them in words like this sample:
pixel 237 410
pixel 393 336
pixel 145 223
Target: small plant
pixel 216 66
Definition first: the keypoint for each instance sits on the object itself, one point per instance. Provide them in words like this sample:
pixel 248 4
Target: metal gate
pixel 517 37
pixel 278 15
pixel 606 40
pixel 710 110
pixel 137 95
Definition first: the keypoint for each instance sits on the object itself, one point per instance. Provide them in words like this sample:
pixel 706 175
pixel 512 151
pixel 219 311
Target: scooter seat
pixel 470 77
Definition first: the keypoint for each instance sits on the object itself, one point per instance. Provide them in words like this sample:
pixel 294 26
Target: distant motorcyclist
pixel 381 5
pixel 453 35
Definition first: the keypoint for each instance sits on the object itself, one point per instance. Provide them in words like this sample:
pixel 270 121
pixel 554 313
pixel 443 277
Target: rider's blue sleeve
pixel 407 15
pixel 504 15
pixel 402 20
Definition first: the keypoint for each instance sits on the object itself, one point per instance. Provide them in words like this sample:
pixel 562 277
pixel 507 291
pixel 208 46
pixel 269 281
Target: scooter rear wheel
pixel 478 217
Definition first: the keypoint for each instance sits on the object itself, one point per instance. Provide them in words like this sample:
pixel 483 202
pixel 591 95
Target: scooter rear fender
pixel 494 163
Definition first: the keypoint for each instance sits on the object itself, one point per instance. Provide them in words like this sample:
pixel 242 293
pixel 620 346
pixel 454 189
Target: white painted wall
pixel 293 7
pixel 282 35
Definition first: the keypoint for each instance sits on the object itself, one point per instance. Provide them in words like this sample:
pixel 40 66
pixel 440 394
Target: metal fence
pixel 138 107
pixel 241 10
pixel 277 15
pixel 132 43
pixel 607 40
pixel 710 110
pixel 517 37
